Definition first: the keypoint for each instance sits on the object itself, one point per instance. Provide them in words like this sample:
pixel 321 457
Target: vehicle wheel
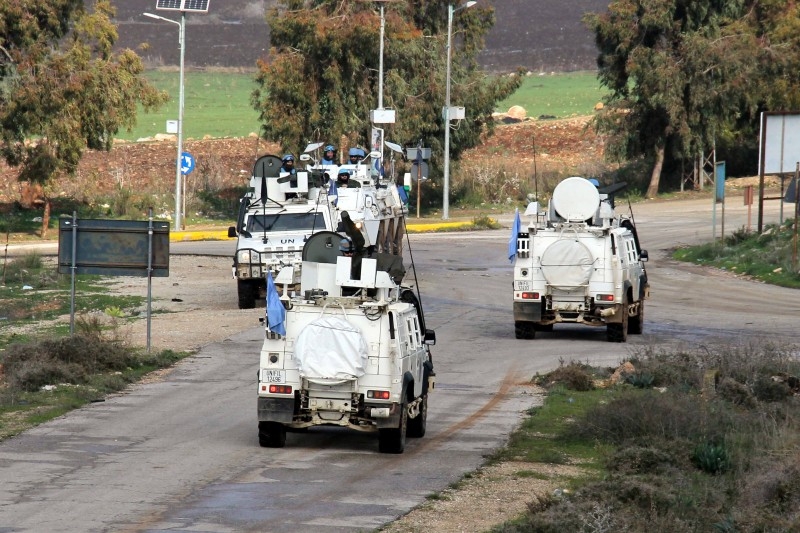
pixel 418 425
pixel 271 434
pixel 619 332
pixel 393 440
pixel 247 294
pixel 524 330
pixel 636 323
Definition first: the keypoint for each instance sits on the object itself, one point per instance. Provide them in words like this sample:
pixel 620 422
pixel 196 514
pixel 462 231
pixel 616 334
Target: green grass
pixel 49 296
pixel 767 256
pixel 540 438
pixel 557 95
pixel 215 104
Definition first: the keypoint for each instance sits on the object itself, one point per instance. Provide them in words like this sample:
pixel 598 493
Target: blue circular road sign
pixel 187 163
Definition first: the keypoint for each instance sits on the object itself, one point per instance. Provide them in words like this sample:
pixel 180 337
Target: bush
pixel 30 366
pixel 712 458
pixel 736 393
pixel 647 417
pixel 573 376
pixel 642 460
pixel 768 390
pixel 658 445
pixel 640 379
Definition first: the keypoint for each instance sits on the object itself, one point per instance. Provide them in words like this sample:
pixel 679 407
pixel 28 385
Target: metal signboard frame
pixel 113 248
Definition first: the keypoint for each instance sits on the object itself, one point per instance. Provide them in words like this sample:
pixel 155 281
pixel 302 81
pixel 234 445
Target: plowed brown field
pixel 149 166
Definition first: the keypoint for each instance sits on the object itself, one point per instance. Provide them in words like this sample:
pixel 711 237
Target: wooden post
pixel 748 201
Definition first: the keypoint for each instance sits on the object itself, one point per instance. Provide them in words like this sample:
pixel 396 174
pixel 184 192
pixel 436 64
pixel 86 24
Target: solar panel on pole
pixel 195 6
pixel 184 6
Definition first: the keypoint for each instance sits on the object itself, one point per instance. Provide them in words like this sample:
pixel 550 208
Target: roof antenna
pixel 535 174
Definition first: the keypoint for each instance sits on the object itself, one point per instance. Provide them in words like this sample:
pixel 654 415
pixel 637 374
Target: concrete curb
pixel 16 248
pixel 222 235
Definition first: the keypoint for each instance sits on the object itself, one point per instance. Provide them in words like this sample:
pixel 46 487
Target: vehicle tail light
pixel 280 389
pixel 378 394
pixel 605 297
pixel 530 295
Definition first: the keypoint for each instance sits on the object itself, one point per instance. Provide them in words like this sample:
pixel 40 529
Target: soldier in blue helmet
pixel 343 179
pixel 287 165
pixel 346 247
pixel 356 155
pixel 329 157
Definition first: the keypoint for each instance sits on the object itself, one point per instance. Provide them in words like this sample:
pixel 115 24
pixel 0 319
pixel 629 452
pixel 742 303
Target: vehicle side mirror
pixel 430 337
pixel 231 232
pixel 643 255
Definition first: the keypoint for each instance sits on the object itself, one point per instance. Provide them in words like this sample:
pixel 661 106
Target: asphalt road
pixel 182 454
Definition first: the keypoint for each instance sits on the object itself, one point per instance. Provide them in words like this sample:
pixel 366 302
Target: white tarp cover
pixel 567 264
pixel 331 348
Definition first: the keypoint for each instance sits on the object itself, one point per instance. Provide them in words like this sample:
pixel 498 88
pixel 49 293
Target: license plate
pixel 522 285
pixel 273 376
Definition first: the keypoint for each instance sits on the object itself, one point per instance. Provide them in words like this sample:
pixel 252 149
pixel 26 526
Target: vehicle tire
pixel 247 294
pixel 636 323
pixel 619 332
pixel 393 440
pixel 271 434
pixel 524 330
pixel 418 425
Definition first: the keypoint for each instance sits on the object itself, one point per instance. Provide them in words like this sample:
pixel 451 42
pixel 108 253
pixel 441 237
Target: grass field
pixel 557 95
pixel 215 104
pixel 218 103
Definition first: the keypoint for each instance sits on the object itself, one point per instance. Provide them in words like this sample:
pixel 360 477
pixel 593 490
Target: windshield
pixel 286 222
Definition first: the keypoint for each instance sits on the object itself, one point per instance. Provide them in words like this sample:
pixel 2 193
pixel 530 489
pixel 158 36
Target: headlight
pixel 243 256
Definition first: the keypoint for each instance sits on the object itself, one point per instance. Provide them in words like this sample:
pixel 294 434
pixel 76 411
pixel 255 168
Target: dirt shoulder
pixel 199 292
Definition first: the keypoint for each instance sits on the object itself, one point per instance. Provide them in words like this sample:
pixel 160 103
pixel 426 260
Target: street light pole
pixel 178 175
pixel 446 195
pixel 380 64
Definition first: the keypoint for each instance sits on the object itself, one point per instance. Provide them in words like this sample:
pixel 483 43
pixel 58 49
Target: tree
pixel 321 78
pixel 682 72
pixel 62 89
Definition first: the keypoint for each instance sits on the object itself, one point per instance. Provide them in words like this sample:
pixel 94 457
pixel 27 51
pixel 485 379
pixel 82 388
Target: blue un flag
pixel 333 190
pixel 512 242
pixel 276 312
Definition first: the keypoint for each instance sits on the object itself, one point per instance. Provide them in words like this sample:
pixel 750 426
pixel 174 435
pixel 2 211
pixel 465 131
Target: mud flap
pixel 275 410
pixel 528 311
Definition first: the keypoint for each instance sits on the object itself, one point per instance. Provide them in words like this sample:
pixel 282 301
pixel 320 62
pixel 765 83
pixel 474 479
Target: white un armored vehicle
pixel 280 212
pixel 579 262
pixel 352 351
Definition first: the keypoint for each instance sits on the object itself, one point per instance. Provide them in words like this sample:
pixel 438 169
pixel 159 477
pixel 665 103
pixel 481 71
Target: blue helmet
pixel 344 171
pixel 594 182
pixel 330 148
pixel 358 152
pixel 288 157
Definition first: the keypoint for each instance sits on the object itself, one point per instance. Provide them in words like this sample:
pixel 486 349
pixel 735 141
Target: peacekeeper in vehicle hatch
pixel 356 155
pixel 343 179
pixel 287 165
pixel 329 157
